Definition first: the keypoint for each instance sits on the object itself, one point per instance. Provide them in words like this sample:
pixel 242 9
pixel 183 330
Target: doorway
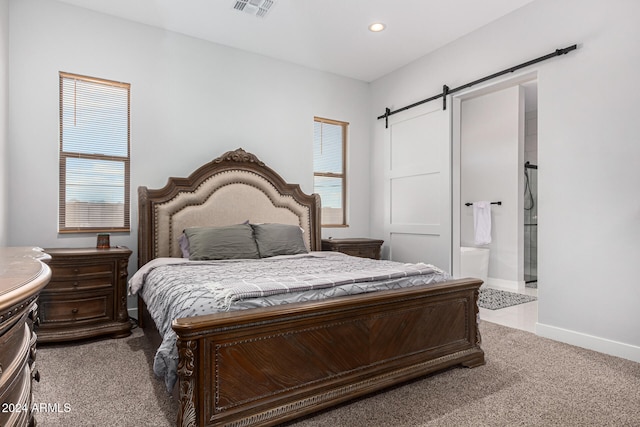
pixel 494 135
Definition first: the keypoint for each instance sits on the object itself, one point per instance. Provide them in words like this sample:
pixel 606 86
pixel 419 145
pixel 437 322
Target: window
pixel 329 176
pixel 94 154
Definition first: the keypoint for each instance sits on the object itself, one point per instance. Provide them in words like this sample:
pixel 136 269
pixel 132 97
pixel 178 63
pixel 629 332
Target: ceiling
pixel 327 35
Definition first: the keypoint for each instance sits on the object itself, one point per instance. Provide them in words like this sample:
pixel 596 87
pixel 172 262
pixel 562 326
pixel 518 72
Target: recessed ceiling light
pixel 376 27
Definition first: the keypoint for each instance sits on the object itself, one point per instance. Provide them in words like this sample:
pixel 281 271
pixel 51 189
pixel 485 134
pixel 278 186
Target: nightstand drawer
pixel 75 308
pixel 16 393
pixel 80 284
pixel 363 252
pixel 15 346
pixel 360 247
pixel 80 272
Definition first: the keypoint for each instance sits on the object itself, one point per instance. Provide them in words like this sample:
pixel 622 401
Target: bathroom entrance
pixel 494 135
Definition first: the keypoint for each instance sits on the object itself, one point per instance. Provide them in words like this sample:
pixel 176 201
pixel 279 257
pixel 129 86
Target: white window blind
pixel 94 154
pixel 329 148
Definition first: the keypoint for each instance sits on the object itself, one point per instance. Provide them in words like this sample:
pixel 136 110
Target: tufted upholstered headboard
pixel 231 189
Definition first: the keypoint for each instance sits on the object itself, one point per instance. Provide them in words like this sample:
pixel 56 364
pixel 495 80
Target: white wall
pixel 4 115
pixel 491 164
pixel 191 101
pixel 531 136
pixel 588 155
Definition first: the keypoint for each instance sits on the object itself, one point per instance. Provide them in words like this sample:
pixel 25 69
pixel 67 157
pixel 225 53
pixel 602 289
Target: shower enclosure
pixel 530 223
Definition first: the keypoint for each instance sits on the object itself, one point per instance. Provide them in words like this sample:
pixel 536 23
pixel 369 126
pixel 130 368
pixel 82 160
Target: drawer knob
pixel 75 284
pixel 74 311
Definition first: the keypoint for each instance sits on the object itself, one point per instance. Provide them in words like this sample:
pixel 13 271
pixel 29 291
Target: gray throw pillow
pixel 279 239
pixel 230 242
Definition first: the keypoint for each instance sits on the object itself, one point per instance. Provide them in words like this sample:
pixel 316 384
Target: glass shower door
pixel 530 223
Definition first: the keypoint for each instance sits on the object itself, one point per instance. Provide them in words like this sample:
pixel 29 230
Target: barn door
pixel 418 185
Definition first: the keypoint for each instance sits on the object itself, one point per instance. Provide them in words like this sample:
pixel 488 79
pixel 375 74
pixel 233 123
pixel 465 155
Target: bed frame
pixel 269 365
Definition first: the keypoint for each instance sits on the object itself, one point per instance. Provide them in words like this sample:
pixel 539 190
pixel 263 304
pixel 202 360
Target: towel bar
pixel 493 203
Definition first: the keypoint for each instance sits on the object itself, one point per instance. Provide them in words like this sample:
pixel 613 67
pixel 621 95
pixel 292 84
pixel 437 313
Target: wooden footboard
pixel 266 366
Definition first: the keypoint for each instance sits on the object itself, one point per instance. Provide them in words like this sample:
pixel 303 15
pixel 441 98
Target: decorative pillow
pixel 183 241
pixel 230 242
pixel 279 239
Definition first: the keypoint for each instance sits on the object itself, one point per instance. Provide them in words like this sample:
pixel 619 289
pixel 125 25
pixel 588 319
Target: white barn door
pixel 418 185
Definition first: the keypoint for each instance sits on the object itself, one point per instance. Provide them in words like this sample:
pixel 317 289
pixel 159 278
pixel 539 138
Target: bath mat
pixel 494 299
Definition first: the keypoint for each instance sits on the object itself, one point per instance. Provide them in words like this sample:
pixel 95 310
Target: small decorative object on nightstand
pixel 364 248
pixel 103 241
pixel 87 295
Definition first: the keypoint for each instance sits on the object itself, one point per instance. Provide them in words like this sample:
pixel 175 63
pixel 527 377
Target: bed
pixel 274 363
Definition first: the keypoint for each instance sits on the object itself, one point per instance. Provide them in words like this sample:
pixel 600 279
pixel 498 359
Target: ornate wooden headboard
pixel 231 189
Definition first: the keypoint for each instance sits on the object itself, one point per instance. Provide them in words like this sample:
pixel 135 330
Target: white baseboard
pixel 510 285
pixel 590 342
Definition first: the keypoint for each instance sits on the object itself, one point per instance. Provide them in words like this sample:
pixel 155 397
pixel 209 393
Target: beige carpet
pixel 105 382
pixel 527 381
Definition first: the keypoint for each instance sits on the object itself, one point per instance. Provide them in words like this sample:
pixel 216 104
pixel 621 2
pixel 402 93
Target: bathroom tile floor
pixel 521 316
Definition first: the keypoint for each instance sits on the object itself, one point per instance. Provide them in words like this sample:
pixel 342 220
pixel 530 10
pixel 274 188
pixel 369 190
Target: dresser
pixel 360 247
pixel 22 277
pixel 87 295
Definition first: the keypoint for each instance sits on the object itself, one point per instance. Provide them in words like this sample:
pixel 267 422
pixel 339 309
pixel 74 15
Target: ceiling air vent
pixel 258 8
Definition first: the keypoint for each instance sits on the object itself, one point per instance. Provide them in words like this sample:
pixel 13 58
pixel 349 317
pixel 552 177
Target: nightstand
pixel 364 248
pixel 86 296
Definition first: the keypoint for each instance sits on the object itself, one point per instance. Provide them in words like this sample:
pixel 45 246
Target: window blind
pixel 329 148
pixel 94 154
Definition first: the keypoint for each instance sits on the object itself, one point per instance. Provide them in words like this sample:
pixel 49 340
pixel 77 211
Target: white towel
pixel 482 222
